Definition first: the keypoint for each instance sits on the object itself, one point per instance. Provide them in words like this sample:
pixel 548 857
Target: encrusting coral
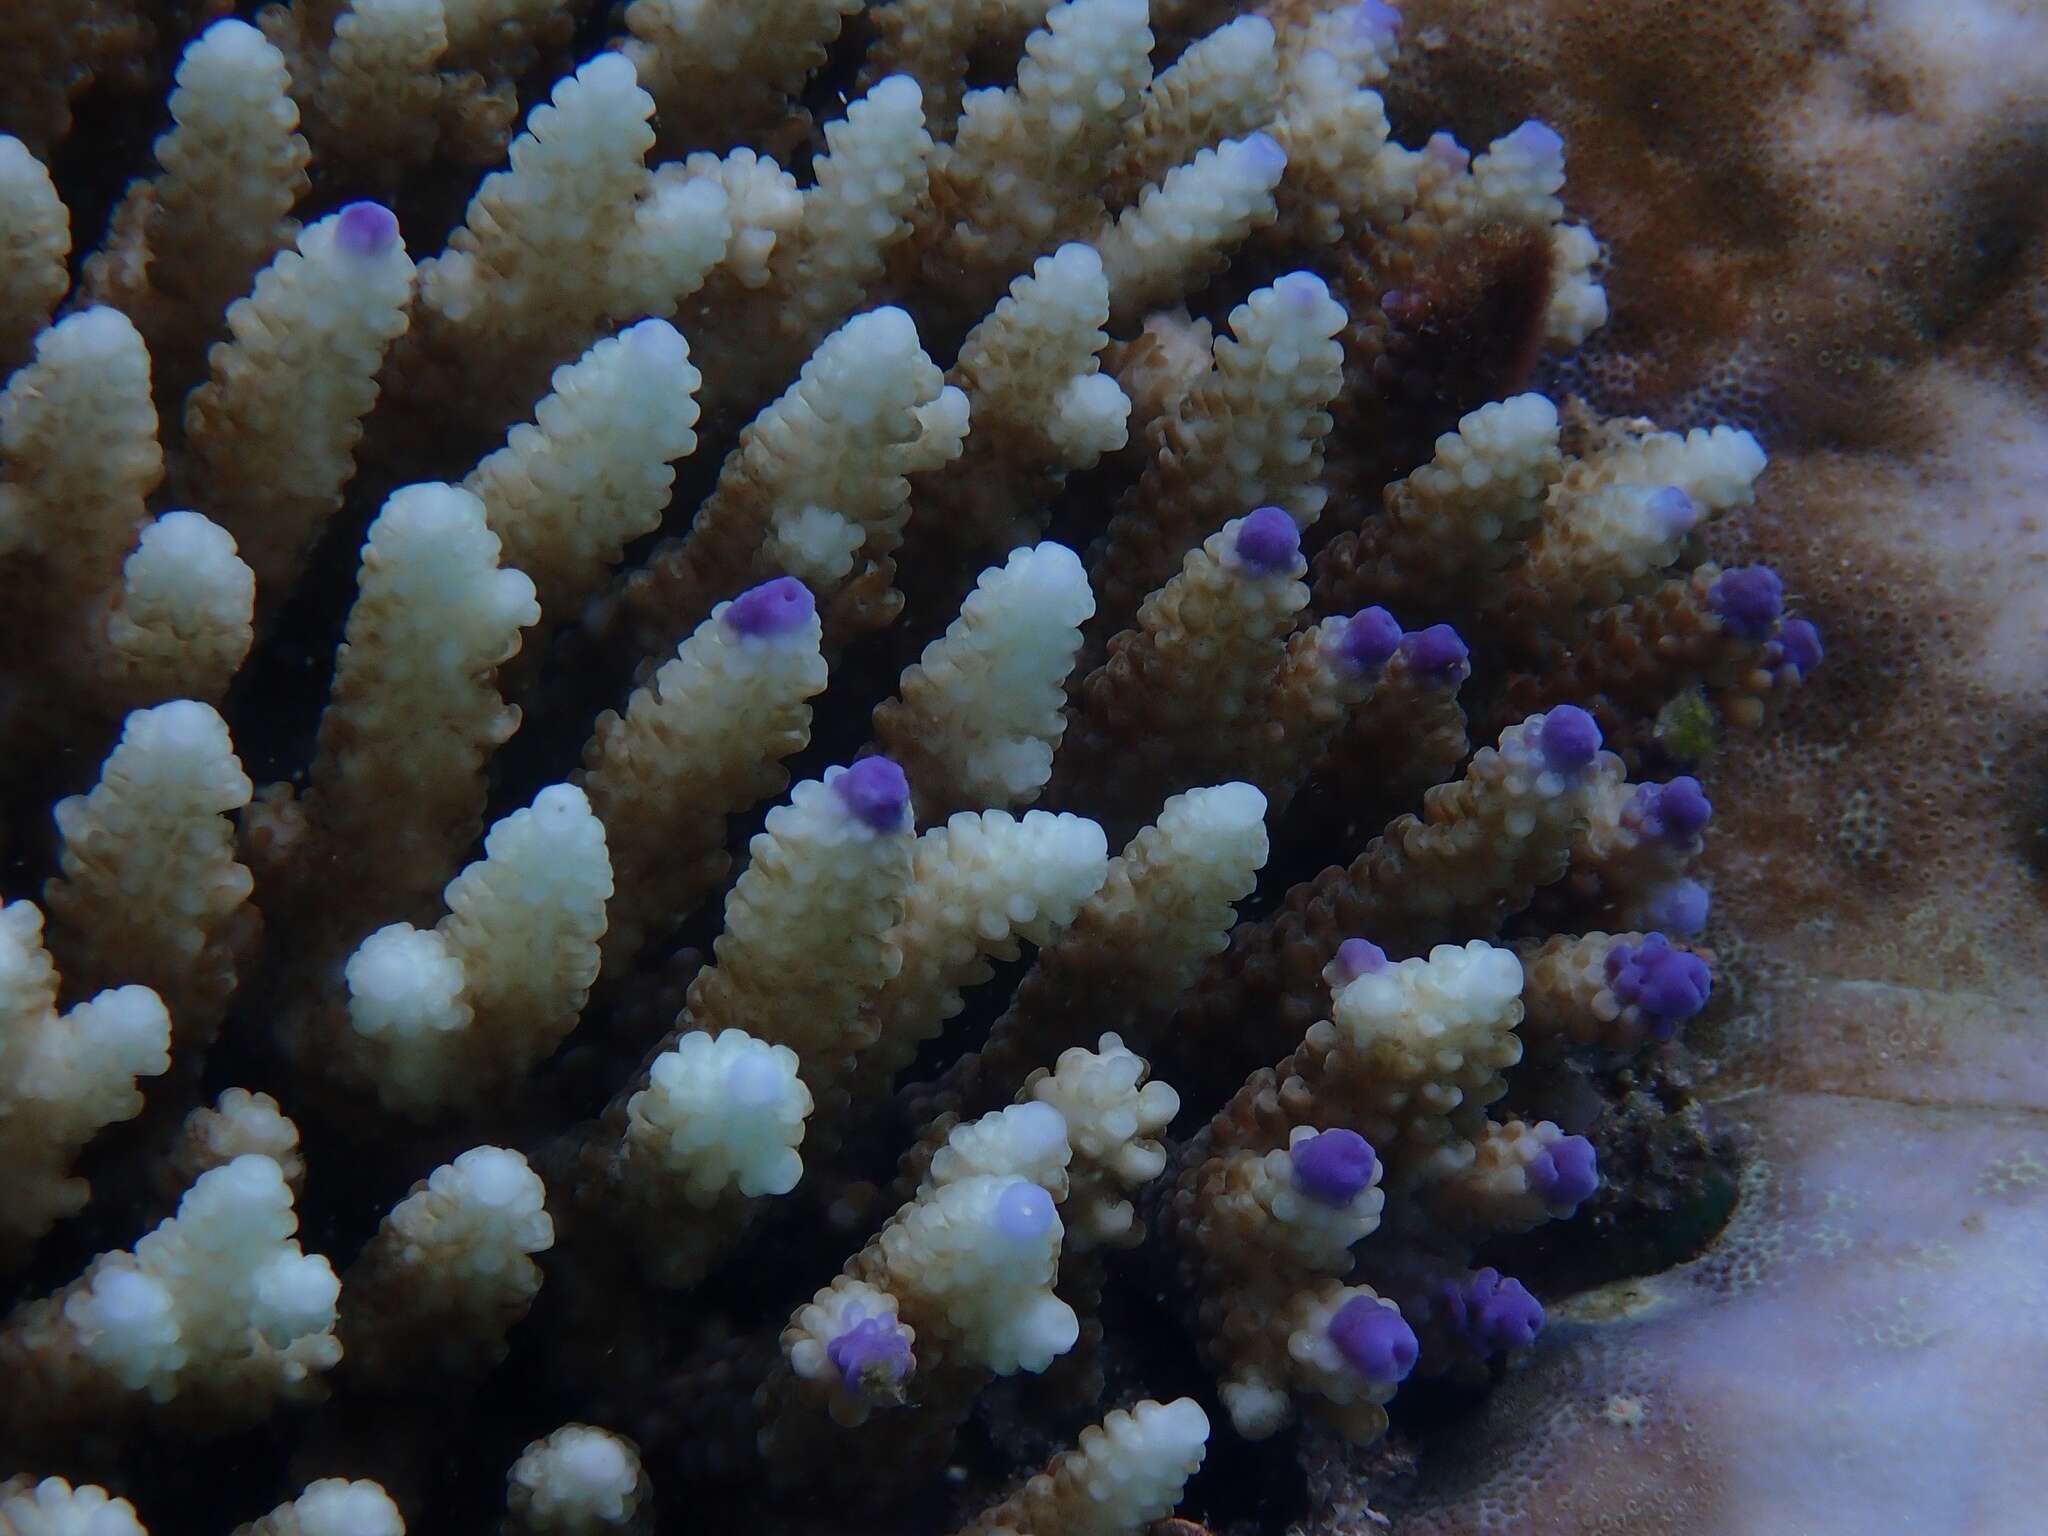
pixel 1109 496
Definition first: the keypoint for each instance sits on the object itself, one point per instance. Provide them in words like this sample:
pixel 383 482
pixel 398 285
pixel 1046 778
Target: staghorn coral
pixel 826 1182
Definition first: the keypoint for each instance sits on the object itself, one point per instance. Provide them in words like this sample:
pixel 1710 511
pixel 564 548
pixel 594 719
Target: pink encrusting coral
pixel 691 683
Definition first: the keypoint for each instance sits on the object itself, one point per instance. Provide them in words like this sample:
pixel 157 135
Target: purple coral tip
pixel 1378 23
pixel 1436 653
pixel 777 607
pixel 1376 1340
pixel 875 790
pixel 365 229
pixel 1370 639
pixel 1676 812
pixel 1301 289
pixel 1565 1173
pixel 1802 645
pixel 1680 907
pixel 1748 600
pixel 1673 510
pixel 1355 958
pixel 1569 738
pixel 1539 141
pixel 1668 984
pixel 1268 541
pixel 1494 1312
pixel 1267 155
pixel 872 1358
pixel 1333 1166
pixel 1023 1211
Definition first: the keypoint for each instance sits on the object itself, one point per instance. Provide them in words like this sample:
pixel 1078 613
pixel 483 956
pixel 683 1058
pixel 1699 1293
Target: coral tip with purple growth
pixel 872 1358
pixel 1492 1311
pixel 776 607
pixel 1371 636
pixel 1376 1340
pixel 1333 1166
pixel 1266 153
pixel 1748 601
pixel 1268 541
pixel 1802 645
pixel 1436 653
pixel 365 229
pixel 875 790
pixel 1355 958
pixel 1680 907
pixel 1377 23
pixel 1676 812
pixel 1569 739
pixel 1674 511
pixel 1539 141
pixel 1565 1173
pixel 1666 984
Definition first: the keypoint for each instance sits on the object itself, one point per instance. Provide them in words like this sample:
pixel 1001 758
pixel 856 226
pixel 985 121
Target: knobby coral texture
pixel 946 767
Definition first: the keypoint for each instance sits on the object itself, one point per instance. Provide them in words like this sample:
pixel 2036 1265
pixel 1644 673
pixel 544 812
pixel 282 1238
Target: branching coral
pixel 1131 456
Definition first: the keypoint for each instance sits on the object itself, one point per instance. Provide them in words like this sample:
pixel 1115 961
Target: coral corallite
pixel 758 755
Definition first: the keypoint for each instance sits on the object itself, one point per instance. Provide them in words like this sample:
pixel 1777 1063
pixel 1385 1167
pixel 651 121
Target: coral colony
pixel 1044 516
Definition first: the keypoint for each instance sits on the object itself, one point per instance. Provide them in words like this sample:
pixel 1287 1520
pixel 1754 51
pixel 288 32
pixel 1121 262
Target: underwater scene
pixel 991 768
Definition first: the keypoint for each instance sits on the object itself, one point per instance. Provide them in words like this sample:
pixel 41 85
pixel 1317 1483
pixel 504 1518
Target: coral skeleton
pixel 646 657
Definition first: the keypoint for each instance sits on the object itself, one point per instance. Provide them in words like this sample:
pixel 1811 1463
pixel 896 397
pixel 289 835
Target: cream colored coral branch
pixel 415 713
pixel 704 740
pixel 450 1015
pixel 35 238
pixel 149 889
pixel 61 1079
pixel 271 435
pixel 186 244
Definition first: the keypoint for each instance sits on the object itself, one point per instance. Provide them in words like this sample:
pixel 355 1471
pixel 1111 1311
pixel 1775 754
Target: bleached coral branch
pixel 592 472
pixel 397 787
pixel 216 1309
pixel 150 889
pixel 577 230
pixel 715 1131
pixel 448 1274
pixel 1166 906
pixel 35 237
pixel 1247 435
pixel 1224 86
pixel 702 741
pixel 816 488
pixel 79 445
pixel 808 927
pixel 52 1507
pixel 236 1123
pixel 186 244
pixel 455 1013
pixel 1026 167
pixel 978 884
pixel 272 434
pixel 184 619
pixel 1180 232
pixel 334 1506
pixel 578 1481
pixel 61 1079
pixel 1125 1472
pixel 978 716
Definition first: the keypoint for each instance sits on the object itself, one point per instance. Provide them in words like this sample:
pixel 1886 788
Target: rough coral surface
pixel 1422 460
